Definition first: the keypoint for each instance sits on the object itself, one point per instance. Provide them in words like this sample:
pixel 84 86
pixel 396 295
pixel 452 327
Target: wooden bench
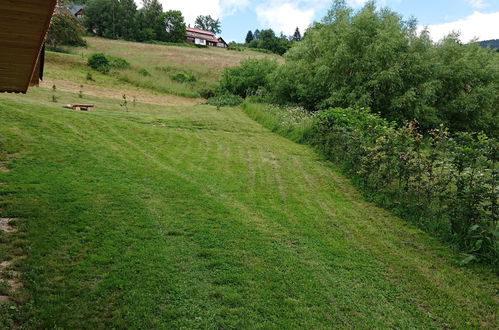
pixel 80 107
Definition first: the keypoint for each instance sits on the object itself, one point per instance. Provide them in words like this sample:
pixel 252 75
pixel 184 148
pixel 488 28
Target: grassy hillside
pixel 167 213
pixel 153 67
pixel 189 216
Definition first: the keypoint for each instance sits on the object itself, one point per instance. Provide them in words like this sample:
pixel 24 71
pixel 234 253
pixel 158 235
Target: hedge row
pixel 445 183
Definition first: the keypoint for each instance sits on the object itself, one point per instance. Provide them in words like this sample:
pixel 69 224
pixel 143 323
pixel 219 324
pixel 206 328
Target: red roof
pixel 189 29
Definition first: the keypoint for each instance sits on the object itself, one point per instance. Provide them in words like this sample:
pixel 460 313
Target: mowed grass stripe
pixel 134 225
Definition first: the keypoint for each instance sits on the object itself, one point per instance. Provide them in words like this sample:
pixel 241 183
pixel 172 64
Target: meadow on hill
pixel 183 71
pixel 163 212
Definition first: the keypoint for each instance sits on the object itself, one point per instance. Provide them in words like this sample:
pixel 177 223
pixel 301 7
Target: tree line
pixel 376 60
pixel 121 19
pixel 268 40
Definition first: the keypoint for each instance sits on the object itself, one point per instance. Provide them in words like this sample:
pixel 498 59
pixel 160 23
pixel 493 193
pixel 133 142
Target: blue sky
pixel 473 18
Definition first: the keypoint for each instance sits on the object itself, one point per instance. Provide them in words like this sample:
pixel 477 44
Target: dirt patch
pixel 14 284
pixel 5 225
pixel 117 93
pixel 4 299
pixel 4 169
pixel 5 264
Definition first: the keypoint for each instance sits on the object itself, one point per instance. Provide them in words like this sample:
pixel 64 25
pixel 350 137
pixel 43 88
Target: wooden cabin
pixel 204 38
pixel 72 9
pixel 23 26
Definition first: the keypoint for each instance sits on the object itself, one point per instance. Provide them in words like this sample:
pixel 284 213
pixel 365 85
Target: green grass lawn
pixel 190 217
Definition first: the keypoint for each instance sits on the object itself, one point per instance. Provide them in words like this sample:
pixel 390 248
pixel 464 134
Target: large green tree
pixel 268 40
pixel 372 58
pixel 208 23
pixel 171 26
pixel 112 18
pixel 148 20
pixel 65 29
pixel 297 35
pixel 249 37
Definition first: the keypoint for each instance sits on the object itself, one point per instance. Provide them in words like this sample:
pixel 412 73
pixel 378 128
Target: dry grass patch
pixel 5 225
pixel 117 93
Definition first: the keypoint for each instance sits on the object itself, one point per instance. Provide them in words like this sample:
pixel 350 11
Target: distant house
pixel 204 38
pixel 76 10
pixel 72 9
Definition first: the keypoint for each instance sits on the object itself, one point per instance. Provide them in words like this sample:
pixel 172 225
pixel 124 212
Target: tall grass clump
pixel 157 82
pixel 225 100
pixel 295 123
pixel 118 62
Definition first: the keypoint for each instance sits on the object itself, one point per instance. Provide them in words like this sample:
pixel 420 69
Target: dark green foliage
pixel 247 78
pixel 249 37
pixel 171 27
pixel 148 22
pixel 297 35
pixel 183 77
pixel 121 19
pixel 112 18
pixel 207 93
pixel 372 58
pixel 99 62
pixel 208 23
pixel 267 39
pixel 446 184
pixel 144 72
pixel 225 100
pixel 65 29
pixel 118 62
pixel 468 77
pixel 104 63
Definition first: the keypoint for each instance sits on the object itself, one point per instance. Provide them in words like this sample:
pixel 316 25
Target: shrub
pixel 225 100
pixel 144 72
pixel 207 93
pixel 118 62
pixel 446 184
pixel 248 78
pixel 99 62
pixel 183 77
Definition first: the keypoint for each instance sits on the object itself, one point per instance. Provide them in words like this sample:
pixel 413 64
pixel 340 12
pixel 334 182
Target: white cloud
pixel 357 3
pixel 230 7
pixel 477 25
pixel 477 4
pixel 284 17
